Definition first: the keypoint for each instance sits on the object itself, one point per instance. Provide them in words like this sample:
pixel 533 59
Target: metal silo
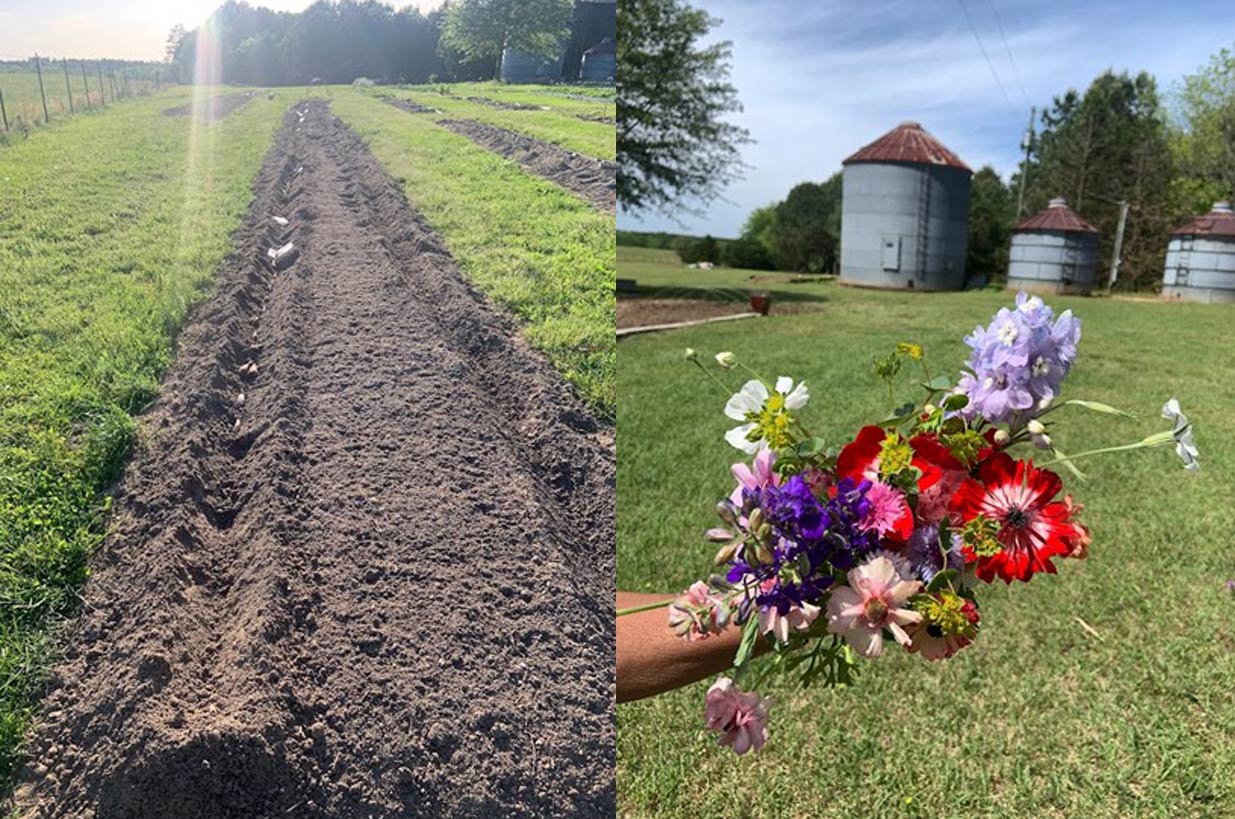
pixel 1200 259
pixel 1054 251
pixel 600 62
pixel 905 216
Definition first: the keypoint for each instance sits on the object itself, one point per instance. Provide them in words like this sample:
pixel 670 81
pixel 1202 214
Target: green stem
pixel 644 607
pixel 712 375
pixel 1123 448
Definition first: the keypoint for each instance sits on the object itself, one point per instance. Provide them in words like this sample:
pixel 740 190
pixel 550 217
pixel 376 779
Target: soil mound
pixel 216 107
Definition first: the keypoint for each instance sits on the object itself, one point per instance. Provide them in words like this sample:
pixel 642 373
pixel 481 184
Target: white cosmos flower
pixel 1185 447
pixel 750 400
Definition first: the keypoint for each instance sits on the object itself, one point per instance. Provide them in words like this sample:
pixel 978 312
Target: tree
pixel 805 232
pixel 1204 140
pixel 691 249
pixel 673 143
pixel 991 214
pixel 759 226
pixel 1103 147
pixel 482 29
pixel 173 43
pixel 746 252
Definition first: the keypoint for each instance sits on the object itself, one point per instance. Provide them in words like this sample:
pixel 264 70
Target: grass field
pixel 541 253
pixel 1038 717
pixel 107 250
pixel 21 92
pixel 596 139
pixel 565 101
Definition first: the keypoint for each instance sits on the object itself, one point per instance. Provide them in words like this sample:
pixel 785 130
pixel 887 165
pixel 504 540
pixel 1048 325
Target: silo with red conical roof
pixel 1054 251
pixel 1200 258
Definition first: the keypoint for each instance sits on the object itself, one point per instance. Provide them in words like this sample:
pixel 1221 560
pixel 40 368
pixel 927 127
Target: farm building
pixel 905 215
pixel 600 62
pixel 1053 251
pixel 593 21
pixel 1200 258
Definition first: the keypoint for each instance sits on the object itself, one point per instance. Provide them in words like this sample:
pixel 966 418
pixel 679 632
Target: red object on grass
pixel 760 304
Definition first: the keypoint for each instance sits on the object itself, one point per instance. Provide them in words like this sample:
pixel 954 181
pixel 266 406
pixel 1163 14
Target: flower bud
pixel 1035 427
pixel 691 354
pixel 1001 436
pixel 929 409
pixel 726 552
pixel 726 360
pixel 719 535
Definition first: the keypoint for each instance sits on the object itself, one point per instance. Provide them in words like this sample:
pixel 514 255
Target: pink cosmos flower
pixel 889 512
pixel 756 476
pixel 698 612
pixel 738 716
pixel 871 602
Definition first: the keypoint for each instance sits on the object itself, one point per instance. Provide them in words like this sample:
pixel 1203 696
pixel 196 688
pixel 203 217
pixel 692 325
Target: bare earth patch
pixel 362 563
pixel 216 108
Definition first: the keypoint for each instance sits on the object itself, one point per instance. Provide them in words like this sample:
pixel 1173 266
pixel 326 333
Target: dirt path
pixel 591 179
pixel 379 585
pixel 216 108
pixel 408 105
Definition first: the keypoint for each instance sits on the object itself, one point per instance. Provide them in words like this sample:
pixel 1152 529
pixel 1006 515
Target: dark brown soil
pixel 592 179
pixel 409 106
pixel 380 584
pixel 219 106
pixel 507 106
pixel 644 312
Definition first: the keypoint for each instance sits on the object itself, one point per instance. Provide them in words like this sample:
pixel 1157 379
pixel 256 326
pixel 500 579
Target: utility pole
pixel 1119 243
pixel 1027 144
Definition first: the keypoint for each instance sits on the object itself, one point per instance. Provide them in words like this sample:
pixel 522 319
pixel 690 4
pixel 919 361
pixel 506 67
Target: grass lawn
pixel 546 96
pixel 595 139
pixel 21 91
pixel 104 249
pixel 541 253
pixel 1038 717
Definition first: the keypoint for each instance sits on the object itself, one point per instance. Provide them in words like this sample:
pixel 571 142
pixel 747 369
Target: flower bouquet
pixel 834 555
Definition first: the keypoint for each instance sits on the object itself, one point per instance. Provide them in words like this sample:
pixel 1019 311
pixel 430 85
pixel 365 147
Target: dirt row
pixel 361 564
pixel 216 107
pixel 592 179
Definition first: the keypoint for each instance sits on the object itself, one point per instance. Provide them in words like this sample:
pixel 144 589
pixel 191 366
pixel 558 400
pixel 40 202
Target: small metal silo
pixel 1053 251
pixel 905 215
pixel 600 62
pixel 518 67
pixel 1200 259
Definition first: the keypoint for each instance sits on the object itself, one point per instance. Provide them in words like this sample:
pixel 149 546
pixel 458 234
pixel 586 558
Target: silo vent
pixel 1058 202
pixel 1222 207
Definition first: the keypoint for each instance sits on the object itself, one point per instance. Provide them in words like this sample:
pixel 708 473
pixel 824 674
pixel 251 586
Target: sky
pixel 821 78
pixel 122 29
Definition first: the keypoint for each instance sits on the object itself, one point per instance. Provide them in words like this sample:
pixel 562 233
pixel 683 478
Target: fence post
pixel 86 83
pixel 111 80
pixel 64 61
pixel 102 87
pixel 3 114
pixel 38 66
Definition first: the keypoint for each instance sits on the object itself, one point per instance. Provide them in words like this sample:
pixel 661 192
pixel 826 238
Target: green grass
pixel 539 252
pixel 104 249
pixel 596 139
pixel 21 92
pixel 545 96
pixel 1037 717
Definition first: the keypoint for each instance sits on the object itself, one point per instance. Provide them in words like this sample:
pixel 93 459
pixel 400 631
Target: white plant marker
pixel 279 220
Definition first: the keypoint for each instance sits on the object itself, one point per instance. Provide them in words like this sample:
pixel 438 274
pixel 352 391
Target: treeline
pixel 334 42
pixel 1117 141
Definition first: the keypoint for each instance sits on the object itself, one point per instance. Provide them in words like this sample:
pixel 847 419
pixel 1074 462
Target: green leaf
pixel 750 634
pixel 955 401
pixel 943 580
pixel 1063 459
pixel 938 384
pixel 899 415
pixel 1096 406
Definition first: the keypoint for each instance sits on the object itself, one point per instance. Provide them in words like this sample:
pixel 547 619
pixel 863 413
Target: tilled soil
pixel 409 106
pixel 362 562
pixel 507 106
pixel 592 179
pixel 219 106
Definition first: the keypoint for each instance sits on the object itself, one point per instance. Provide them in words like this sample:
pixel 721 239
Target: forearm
pixel 651 659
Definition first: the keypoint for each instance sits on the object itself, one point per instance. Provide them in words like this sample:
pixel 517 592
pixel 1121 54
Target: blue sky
pixel 132 29
pixel 821 78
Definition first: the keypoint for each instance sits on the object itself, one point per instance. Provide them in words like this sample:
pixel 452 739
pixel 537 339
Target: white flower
pixel 691 355
pixel 726 360
pixel 1185 447
pixel 750 400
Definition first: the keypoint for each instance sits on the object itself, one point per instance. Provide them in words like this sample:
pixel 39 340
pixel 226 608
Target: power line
pixel 986 57
pixel 1007 49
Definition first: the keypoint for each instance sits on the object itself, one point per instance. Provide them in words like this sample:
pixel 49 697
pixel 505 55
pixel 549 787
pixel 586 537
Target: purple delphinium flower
pixel 813 537
pixel 925 556
pixel 1019 361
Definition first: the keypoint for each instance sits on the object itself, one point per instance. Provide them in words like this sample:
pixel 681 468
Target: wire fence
pixel 43 90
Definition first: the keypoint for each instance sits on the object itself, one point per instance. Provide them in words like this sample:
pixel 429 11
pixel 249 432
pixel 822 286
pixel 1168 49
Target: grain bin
pixel 1200 258
pixel 600 62
pixel 1053 251
pixel 905 215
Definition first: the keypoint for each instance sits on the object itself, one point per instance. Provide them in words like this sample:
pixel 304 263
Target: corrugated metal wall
pixel 1200 269
pixel 1050 262
pixel 904 225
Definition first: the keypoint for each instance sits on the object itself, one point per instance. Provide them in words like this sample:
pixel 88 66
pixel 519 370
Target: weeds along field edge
pixel 542 254
pixel 561 127
pixel 111 228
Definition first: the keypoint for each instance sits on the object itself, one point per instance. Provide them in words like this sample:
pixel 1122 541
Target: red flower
pixel 859 459
pixel 1026 526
